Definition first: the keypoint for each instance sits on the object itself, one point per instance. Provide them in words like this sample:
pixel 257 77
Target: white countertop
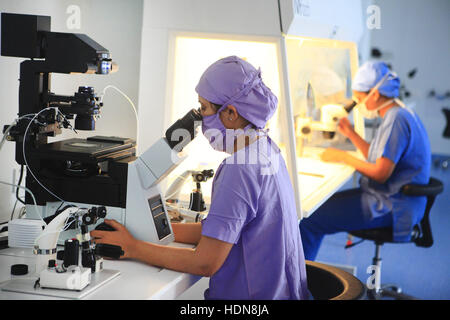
pixel 136 281
pixel 319 180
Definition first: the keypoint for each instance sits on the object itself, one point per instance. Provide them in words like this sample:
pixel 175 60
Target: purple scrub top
pixel 253 207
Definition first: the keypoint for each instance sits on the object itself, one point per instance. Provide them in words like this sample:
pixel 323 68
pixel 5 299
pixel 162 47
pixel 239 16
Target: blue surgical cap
pixel 370 73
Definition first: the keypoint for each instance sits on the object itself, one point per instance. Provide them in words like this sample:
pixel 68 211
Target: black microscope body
pixel 92 170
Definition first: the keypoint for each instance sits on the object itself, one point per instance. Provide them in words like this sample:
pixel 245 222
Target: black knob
pixel 88 218
pixel 101 212
pixel 51 263
pixel 19 269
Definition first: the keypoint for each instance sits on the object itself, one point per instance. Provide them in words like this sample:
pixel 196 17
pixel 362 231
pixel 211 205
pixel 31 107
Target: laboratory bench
pixel 133 280
pixel 319 180
pixel 122 280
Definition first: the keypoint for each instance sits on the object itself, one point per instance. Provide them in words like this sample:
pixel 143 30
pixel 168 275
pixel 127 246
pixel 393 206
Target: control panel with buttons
pixel 159 216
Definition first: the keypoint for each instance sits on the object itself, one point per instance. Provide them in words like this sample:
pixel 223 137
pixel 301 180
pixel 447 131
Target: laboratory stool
pixel 421 235
pixel 326 282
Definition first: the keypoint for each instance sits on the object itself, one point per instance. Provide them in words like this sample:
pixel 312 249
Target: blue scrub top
pixel 402 138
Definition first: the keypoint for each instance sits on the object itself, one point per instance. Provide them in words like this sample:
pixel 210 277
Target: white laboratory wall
pixel 114 24
pixel 193 52
pixel 160 18
pixel 326 19
pixel 415 34
pixel 364 41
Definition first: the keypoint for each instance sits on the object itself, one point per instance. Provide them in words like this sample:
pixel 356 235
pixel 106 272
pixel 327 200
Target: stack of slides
pixel 23 232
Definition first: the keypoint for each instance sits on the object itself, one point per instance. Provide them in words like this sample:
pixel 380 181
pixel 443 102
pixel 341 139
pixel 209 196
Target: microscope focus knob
pixel 101 212
pixel 306 130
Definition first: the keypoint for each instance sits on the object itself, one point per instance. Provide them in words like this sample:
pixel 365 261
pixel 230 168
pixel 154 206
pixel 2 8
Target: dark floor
pixel 420 272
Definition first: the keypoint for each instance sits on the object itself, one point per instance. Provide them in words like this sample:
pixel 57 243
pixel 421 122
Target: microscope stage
pixel 92 149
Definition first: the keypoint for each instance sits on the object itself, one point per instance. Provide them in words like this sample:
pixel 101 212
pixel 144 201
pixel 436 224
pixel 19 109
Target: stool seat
pixel 381 235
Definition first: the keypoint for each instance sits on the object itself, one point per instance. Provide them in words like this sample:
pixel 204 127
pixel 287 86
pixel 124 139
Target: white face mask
pixel 366 113
pixel 372 114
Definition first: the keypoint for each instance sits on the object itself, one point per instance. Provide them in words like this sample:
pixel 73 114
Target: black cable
pixel 37 283
pixel 14 209
pixel 17 192
pixel 60 206
pixel 18 184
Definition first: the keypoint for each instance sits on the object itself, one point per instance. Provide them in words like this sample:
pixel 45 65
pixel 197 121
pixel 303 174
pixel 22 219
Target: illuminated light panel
pixel 193 54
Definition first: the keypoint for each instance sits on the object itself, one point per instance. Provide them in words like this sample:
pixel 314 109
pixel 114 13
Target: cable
pixel 14 209
pixel 25 158
pixel 27 116
pixel 19 183
pixel 31 193
pixel 22 212
pixel 23 144
pixel 11 126
pixel 126 97
pixel 6 133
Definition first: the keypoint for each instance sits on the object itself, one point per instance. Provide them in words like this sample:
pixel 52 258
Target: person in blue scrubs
pixel 399 154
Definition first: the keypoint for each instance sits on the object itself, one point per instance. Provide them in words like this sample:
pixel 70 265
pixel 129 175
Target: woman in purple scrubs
pixel 249 244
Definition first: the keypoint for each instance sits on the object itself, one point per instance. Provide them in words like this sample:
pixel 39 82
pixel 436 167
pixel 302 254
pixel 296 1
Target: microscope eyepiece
pixel 350 106
pixel 185 127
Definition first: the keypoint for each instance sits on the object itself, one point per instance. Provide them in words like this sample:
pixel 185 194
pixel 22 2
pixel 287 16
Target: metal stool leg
pixel 378 291
pixel 373 291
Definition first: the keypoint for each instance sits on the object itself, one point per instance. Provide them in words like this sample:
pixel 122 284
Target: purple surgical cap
pixel 234 81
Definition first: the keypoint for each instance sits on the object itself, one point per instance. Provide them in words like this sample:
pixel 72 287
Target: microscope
pixel 330 114
pixel 98 170
pixel 93 176
pixel 196 202
pixel 197 207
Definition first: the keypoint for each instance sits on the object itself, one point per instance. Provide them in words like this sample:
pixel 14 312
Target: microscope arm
pixel 329 118
pixel 48 239
pixel 158 161
pixel 45 244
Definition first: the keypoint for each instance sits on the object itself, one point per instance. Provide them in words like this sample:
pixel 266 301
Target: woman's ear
pixel 231 113
pixel 376 95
